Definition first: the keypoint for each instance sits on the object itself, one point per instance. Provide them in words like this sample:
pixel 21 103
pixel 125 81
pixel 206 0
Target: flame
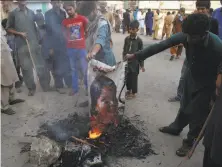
pixel 94 134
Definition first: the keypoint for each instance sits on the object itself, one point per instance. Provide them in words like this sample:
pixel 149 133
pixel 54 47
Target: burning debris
pixel 72 143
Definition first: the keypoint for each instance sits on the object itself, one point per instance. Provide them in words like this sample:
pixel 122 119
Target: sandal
pixel 183 150
pixel 130 96
pixel 8 111
pixel 168 130
pixel 12 102
pixel 174 99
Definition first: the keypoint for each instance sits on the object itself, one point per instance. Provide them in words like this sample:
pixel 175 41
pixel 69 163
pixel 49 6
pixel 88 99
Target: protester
pixel 12 44
pixel 176 51
pixel 141 19
pixel 156 24
pixel 131 15
pixel 107 14
pixel 217 14
pixel 75 30
pixel 126 21
pixel 201 7
pixel 98 39
pixel 8 78
pixel 203 53
pixel 132 44
pixel 21 23
pixel 40 21
pixel 167 27
pixel 6 8
pixel 149 22
pixel 117 21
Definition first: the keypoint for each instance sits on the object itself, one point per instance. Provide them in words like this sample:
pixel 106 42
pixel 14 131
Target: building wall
pixel 44 6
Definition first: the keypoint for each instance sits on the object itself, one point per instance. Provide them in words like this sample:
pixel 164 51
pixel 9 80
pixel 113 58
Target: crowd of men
pixel 61 45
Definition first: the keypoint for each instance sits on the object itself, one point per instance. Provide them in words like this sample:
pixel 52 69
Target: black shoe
pixel 171 131
pixel 84 104
pixel 8 111
pixel 12 102
pixel 31 92
pixel 174 99
pixel 171 58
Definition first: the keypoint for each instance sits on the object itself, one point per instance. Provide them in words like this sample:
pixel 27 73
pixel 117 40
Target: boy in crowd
pixel 75 30
pixel 132 44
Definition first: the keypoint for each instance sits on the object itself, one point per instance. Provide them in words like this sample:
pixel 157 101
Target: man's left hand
pixel 143 69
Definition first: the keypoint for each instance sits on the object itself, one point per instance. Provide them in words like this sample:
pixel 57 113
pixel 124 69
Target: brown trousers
pixel 176 50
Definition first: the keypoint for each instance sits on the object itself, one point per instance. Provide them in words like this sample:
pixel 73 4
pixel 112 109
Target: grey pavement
pixel 156 85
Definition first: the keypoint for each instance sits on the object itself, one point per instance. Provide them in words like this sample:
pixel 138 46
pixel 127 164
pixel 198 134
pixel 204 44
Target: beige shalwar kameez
pixel 8 73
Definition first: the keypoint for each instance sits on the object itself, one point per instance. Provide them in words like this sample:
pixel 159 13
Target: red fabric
pixel 75 31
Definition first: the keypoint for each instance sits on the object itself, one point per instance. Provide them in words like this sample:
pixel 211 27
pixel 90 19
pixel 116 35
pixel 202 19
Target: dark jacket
pixel 132 45
pixel 213 133
pixel 203 59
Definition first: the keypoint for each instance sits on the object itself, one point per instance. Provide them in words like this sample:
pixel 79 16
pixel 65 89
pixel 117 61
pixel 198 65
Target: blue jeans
pixel 76 57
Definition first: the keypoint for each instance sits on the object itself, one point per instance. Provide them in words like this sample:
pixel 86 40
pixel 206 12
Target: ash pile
pixel 65 143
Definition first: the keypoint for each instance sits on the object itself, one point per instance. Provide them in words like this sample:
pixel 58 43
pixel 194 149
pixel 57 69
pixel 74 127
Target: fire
pixel 94 134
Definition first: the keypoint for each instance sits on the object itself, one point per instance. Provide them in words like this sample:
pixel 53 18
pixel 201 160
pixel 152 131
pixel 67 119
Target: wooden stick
pixel 200 136
pixel 33 62
pixel 83 141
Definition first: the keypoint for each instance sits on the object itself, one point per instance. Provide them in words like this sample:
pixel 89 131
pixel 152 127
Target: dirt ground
pixel 156 85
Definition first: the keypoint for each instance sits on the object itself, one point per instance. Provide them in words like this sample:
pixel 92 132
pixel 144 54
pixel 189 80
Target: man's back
pixel 168 20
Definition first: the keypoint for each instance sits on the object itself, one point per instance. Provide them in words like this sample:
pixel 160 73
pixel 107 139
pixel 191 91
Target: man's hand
pixel 90 56
pixel 129 57
pixel 23 35
pixel 218 84
pixel 51 52
pixel 104 70
pixel 143 69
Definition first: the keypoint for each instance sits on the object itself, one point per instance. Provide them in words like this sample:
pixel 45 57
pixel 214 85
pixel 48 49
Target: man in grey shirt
pixel 21 23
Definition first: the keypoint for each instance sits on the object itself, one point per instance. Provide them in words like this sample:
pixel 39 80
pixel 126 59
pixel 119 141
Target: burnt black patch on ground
pixel 123 141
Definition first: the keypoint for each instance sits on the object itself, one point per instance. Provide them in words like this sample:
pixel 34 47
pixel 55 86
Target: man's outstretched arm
pixel 159 47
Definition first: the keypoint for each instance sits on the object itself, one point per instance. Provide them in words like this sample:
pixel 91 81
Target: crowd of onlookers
pixel 60 45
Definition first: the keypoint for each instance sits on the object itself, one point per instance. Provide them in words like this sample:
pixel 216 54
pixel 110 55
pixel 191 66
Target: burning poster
pixel 106 95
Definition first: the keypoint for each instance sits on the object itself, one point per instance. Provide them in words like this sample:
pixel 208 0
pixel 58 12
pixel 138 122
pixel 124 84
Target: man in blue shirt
pixel 217 14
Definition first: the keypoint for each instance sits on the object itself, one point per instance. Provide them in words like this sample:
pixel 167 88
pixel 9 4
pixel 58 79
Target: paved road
pixel 156 85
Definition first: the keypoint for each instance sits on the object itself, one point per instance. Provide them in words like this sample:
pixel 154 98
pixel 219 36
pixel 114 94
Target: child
pixel 132 44
pixel 75 30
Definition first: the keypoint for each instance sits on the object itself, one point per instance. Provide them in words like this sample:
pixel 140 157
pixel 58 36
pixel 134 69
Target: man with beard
pixel 22 23
pixel 98 39
pixel 203 54
pixel 202 7
pixel 54 47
